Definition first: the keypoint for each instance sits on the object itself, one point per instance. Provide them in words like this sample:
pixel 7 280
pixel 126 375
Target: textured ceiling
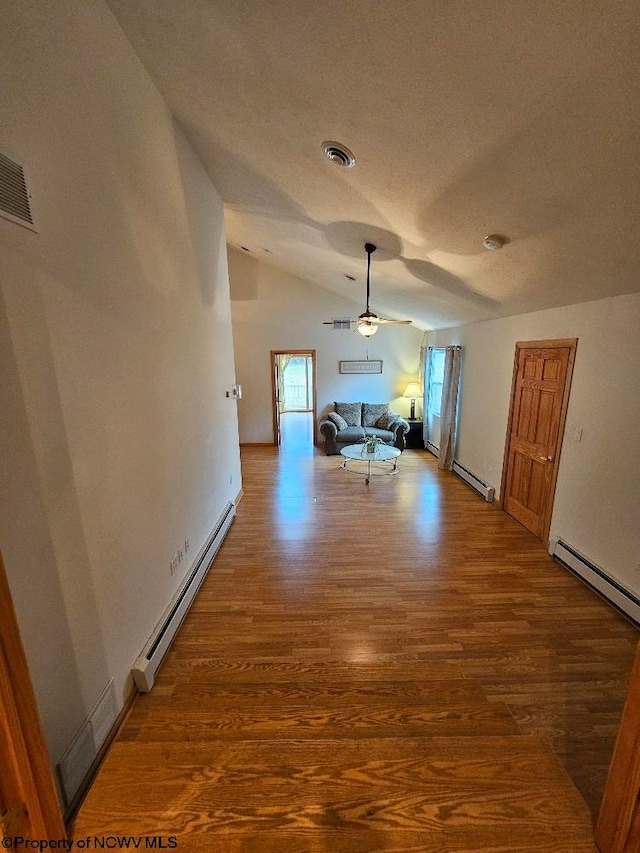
pixel 466 118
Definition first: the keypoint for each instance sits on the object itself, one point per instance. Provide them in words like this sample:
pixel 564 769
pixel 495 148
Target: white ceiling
pixel 467 117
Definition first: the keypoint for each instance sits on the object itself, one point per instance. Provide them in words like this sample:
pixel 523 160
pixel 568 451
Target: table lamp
pixel 412 390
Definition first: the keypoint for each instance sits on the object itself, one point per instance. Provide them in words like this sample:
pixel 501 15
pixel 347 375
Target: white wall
pixel 597 503
pixel 272 310
pixel 117 351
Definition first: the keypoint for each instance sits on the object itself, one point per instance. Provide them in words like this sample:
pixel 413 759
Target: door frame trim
pixel 617 826
pixel 274 415
pixel 572 345
pixel 27 789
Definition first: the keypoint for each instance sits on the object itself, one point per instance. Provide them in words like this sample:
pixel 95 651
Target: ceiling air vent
pixel 338 154
pixel 341 325
pixel 15 201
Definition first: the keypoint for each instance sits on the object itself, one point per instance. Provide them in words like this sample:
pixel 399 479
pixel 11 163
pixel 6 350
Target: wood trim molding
pixel 316 434
pixel 512 398
pixel 572 344
pixel 27 790
pixel 618 828
pixel 555 342
pixel 274 412
pixel 256 444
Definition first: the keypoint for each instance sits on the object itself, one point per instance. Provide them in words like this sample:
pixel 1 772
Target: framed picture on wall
pixel 367 366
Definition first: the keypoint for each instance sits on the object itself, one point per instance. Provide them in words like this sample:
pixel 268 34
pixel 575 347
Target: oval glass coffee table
pixel 383 454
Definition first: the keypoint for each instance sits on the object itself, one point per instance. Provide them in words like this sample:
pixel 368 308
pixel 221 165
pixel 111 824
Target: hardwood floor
pixel 390 667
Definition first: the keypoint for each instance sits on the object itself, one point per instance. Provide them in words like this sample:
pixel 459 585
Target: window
pixel 435 381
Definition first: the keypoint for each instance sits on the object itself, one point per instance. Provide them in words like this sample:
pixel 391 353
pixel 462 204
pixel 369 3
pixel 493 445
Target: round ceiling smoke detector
pixel 338 154
pixel 493 242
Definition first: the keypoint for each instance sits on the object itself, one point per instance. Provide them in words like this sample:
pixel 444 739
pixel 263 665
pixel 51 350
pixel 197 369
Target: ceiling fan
pixel 368 322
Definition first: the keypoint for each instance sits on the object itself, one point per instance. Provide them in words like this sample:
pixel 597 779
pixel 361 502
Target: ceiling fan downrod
pixel 369 249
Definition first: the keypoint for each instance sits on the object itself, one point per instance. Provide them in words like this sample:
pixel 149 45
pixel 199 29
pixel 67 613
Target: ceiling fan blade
pixel 367 320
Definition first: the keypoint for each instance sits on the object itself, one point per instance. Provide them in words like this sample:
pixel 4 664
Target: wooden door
pixel 539 399
pixel 618 829
pixel 28 802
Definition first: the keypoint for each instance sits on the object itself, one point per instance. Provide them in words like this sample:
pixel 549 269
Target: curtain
pixel 449 406
pixel 283 362
pixel 424 379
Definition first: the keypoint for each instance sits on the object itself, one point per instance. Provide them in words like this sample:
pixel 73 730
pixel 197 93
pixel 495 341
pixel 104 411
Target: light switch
pixel 578 433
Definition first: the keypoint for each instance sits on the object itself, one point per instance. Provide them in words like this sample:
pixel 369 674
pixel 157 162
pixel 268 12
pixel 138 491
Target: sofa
pixel 350 423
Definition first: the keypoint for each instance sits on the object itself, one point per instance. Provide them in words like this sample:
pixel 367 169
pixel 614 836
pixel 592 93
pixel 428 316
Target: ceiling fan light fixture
pixel 367 329
pixel 339 154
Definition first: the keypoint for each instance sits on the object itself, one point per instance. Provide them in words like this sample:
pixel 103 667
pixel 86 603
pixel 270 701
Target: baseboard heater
pixel 475 482
pixel 596 578
pixel 469 477
pixel 146 666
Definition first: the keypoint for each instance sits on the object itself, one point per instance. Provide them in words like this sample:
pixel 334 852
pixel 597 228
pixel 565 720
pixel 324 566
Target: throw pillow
pixel 338 420
pixel 387 420
pixel 371 412
pixel 351 412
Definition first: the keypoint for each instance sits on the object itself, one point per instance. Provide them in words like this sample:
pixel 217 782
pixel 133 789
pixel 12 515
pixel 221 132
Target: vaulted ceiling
pixel 466 118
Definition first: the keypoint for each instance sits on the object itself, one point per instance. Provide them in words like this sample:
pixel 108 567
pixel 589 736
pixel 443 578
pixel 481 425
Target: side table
pixel 413 439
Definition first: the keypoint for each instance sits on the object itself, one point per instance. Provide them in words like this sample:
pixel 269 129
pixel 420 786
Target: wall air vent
pixel 15 201
pixel 341 325
pixel 339 154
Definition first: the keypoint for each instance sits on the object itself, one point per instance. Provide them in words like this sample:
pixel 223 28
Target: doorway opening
pixel 294 398
pixel 539 400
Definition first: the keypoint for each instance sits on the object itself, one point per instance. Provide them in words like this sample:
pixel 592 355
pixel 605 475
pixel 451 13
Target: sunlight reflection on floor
pixel 296 431
pixel 295 493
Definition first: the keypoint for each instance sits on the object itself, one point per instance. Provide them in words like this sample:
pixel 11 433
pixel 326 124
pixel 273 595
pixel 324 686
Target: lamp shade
pixel 412 390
